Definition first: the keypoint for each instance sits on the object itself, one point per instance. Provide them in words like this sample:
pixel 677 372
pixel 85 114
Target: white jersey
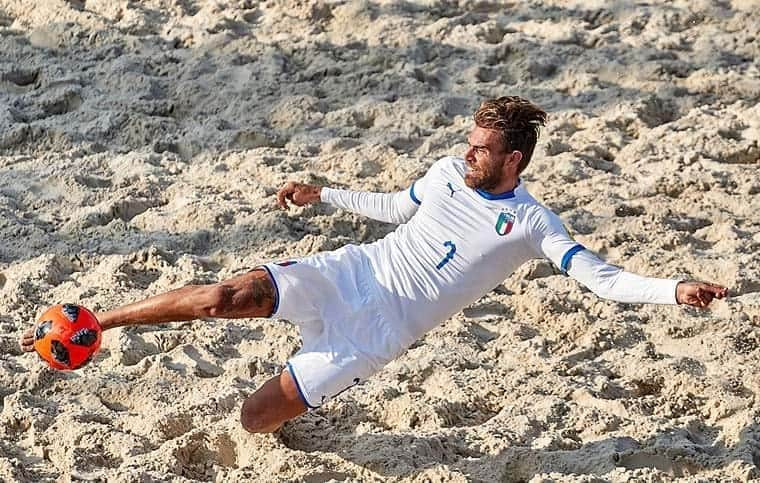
pixel 358 307
pixel 458 243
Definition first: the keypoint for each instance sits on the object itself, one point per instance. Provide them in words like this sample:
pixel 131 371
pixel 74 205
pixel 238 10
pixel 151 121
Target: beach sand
pixel 141 144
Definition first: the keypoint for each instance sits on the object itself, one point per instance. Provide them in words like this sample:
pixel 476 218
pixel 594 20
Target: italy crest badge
pixel 504 223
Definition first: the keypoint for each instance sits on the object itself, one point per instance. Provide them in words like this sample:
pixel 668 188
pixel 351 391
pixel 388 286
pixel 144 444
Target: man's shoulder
pixel 446 166
pixel 450 162
pixel 535 210
pixel 543 219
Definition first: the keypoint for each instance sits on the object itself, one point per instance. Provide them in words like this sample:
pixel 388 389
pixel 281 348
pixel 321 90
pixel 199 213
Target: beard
pixel 483 177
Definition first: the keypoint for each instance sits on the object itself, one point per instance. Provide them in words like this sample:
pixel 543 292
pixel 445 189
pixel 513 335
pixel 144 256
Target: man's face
pixel 485 158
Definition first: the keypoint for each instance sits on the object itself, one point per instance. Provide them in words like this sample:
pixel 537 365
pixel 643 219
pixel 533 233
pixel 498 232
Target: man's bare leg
pixel 272 404
pixel 249 295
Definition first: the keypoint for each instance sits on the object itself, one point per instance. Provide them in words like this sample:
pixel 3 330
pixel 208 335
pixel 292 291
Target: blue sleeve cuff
pixel 411 193
pixel 569 255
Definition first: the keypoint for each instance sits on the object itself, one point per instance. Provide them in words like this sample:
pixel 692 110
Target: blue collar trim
pixel 500 196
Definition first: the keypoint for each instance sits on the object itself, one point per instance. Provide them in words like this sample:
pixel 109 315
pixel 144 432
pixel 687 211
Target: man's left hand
pixel 699 294
pixel 299 194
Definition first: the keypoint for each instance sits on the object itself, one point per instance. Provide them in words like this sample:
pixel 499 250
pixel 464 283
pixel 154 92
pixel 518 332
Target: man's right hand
pixel 299 194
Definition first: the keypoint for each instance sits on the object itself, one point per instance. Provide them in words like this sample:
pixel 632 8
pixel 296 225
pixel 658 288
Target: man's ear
pixel 514 158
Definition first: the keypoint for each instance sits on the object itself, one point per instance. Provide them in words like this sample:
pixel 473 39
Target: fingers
pixel 706 292
pixel 703 297
pixel 297 193
pixel 26 342
pixel 716 290
pixel 701 294
pixel 285 193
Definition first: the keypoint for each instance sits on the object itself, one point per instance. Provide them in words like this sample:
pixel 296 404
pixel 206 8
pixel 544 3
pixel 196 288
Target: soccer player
pixel 464 227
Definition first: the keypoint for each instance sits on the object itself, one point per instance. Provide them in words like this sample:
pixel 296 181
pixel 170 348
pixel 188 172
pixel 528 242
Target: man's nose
pixel 469 155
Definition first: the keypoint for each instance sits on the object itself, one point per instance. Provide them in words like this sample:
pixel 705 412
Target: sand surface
pixel 141 143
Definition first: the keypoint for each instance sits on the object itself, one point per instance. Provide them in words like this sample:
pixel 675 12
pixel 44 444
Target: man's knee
pixel 271 405
pixel 255 418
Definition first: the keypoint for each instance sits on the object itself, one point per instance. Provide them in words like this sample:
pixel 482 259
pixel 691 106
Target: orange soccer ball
pixel 67 336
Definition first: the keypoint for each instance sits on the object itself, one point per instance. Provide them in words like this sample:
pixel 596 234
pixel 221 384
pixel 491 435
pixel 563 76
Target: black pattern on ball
pixel 71 312
pixel 84 337
pixel 60 353
pixel 42 329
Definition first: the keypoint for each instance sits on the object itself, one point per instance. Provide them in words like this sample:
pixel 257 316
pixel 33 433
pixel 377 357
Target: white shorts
pixel 331 296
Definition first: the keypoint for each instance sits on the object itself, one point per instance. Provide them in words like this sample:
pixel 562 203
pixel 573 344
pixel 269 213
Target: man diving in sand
pixel 464 227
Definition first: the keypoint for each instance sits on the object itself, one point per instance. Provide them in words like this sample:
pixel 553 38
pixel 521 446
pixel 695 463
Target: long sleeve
pixel 614 283
pixel 396 207
pixel 552 241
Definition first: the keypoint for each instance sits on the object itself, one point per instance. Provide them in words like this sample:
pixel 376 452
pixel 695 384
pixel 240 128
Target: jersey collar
pixel 499 196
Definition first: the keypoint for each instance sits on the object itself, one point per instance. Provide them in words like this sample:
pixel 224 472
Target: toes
pixel 27 341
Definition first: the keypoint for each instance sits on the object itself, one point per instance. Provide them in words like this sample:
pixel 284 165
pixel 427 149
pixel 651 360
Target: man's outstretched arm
pixel 396 207
pixel 551 240
pixel 613 283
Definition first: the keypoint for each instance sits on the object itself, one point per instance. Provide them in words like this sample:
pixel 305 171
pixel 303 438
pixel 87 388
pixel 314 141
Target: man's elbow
pixel 602 294
pixel 399 218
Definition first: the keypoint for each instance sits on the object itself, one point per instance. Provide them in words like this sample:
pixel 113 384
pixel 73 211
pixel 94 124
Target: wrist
pixel 324 194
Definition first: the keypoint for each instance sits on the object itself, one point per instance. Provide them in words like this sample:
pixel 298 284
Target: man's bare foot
pixel 27 340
